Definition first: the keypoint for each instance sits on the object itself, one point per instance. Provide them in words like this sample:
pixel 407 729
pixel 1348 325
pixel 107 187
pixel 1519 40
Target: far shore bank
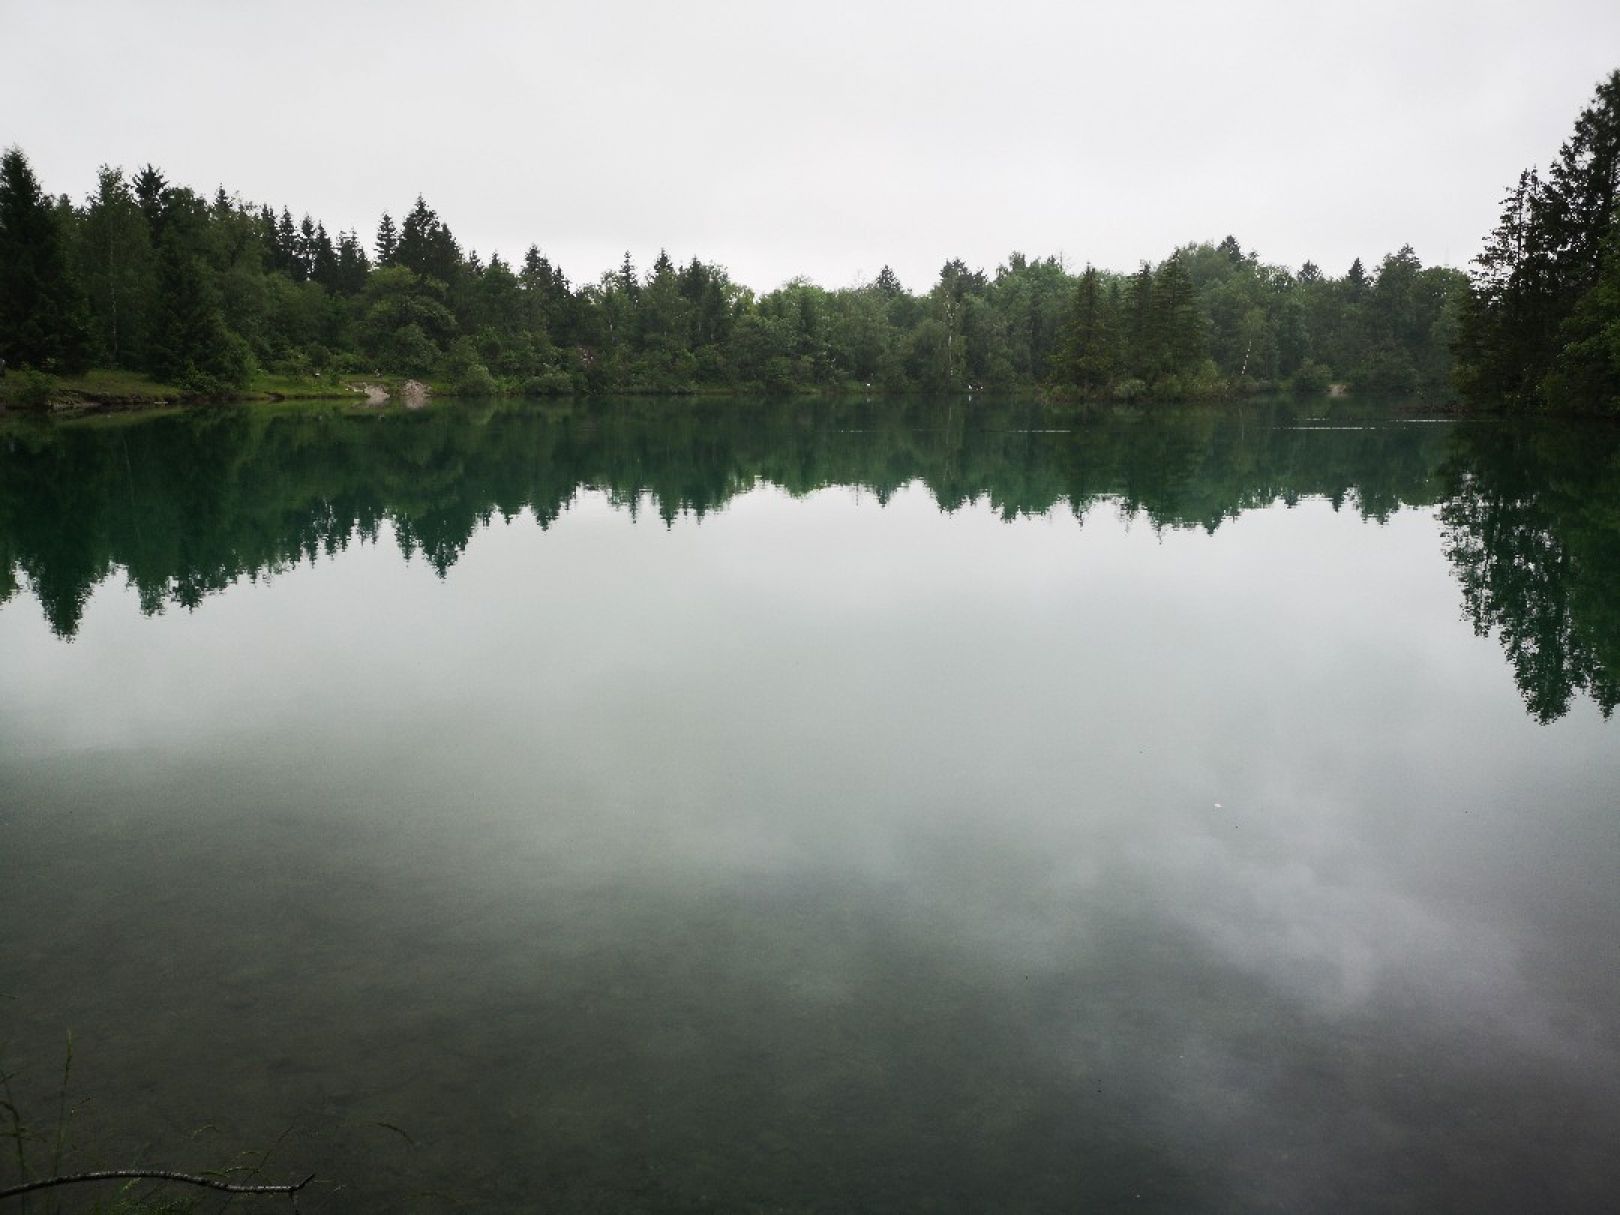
pixel 28 394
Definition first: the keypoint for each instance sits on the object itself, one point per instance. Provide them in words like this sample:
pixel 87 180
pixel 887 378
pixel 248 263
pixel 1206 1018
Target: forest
pixel 213 294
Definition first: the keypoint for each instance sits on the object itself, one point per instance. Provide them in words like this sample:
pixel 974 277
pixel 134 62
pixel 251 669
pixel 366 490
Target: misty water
pixel 745 806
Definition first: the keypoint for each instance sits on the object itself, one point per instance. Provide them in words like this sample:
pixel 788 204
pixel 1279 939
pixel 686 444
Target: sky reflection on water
pixel 832 851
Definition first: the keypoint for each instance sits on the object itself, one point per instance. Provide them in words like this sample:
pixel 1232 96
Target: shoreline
pixel 77 398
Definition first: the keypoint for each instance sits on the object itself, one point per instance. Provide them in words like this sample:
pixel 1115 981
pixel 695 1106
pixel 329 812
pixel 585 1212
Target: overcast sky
pixel 826 139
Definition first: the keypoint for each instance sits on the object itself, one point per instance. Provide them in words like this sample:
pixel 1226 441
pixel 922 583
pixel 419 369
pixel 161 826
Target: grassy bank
pixel 105 390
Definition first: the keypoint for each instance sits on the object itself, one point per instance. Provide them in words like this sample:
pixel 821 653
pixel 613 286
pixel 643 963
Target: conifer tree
pixel 426 245
pixel 1141 340
pixel 352 265
pixel 191 346
pixel 265 226
pixel 387 246
pixel 150 188
pixel 306 249
pixel 42 312
pixel 1178 326
pixel 628 282
pixel 1539 297
pixel 1089 353
pixel 116 253
pixel 323 260
pixel 291 255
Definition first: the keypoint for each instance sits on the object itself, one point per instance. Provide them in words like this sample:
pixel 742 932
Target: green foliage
pixel 549 384
pixel 42 311
pixel 1585 374
pixel 468 376
pixel 27 389
pixel 118 266
pixel 1540 324
pixel 209 293
pixel 1311 380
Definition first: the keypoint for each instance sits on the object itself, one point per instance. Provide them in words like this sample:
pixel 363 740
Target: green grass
pixel 113 383
pixel 303 386
pixel 25 389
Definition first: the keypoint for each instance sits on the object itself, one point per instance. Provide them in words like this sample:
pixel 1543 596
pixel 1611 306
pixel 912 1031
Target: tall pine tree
pixel 43 319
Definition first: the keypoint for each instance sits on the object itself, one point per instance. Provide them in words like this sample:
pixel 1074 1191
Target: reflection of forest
pixel 1532 518
pixel 187 505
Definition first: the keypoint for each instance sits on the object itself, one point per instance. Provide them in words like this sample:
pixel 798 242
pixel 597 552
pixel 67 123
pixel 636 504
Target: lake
pixel 937 806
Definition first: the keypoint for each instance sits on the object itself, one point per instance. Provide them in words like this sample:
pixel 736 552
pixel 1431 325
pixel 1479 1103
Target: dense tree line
pixel 1542 324
pixel 206 292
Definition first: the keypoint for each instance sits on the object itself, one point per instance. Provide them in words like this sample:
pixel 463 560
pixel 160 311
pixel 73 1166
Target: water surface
pixel 659 806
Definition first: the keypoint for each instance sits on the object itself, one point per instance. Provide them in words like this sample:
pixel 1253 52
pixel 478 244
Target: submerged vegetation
pixel 210 296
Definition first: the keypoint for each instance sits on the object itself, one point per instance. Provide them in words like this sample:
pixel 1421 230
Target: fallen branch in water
pixel 290 1191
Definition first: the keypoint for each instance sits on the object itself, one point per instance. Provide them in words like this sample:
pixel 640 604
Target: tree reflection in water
pixel 186 506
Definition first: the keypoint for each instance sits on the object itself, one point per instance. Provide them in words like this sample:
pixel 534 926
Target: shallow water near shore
pixel 936 806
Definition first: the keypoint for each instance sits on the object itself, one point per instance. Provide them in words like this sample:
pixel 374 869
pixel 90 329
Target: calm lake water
pixel 656 806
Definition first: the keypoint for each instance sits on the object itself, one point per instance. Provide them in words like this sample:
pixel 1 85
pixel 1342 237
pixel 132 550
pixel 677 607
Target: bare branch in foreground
pixel 290 1191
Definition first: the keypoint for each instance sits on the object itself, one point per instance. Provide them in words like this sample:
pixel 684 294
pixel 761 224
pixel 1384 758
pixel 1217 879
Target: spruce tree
pixel 1539 298
pixel 116 253
pixel 43 319
pixel 1582 187
pixel 387 246
pixel 265 226
pixel 323 259
pixel 1142 354
pixel 1178 324
pixel 150 187
pixel 1089 352
pixel 426 245
pixel 352 265
pixel 290 255
pixel 191 345
pixel 306 249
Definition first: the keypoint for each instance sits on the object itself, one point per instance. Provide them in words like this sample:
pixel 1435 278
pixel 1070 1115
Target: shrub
pixel 474 380
pixel 553 383
pixel 28 389
pixel 1129 389
pixel 1311 380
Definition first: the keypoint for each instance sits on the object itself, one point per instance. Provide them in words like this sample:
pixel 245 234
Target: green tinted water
pixel 660 806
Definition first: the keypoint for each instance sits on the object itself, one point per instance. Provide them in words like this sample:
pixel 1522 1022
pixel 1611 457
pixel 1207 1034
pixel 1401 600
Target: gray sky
pixel 826 139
